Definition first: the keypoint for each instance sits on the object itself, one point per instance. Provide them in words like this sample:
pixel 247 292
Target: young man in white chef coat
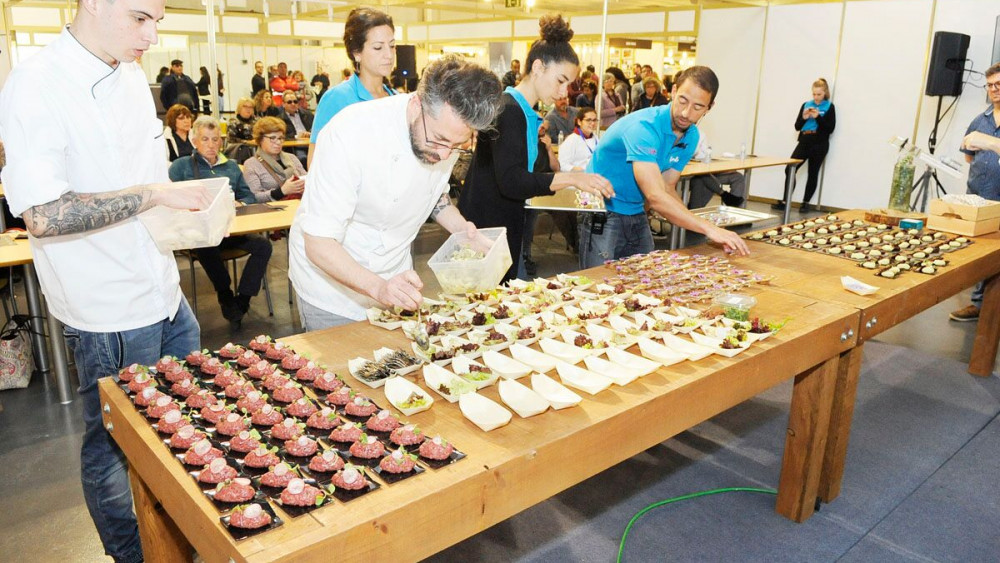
pixel 83 160
pixel 379 170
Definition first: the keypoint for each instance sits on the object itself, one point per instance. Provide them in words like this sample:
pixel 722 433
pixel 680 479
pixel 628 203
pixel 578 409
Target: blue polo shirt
pixel 532 120
pixel 984 172
pixel 348 92
pixel 641 136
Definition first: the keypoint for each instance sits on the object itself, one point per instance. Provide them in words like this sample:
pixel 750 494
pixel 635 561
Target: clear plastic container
pixel 482 274
pixel 734 306
pixel 179 229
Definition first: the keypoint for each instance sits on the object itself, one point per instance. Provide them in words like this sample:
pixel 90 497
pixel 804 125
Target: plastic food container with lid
pixel 180 229
pixel 477 274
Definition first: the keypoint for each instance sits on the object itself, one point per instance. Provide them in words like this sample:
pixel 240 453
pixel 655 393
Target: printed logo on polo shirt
pixel 651 151
pixel 674 159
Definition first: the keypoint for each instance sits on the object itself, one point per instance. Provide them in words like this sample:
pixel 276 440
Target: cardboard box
pixel 966 212
pixel 963 227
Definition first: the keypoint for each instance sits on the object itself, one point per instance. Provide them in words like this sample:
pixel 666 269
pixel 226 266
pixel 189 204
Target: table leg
pixel 746 187
pixel 36 314
pixel 161 539
pixel 60 367
pixel 676 233
pixel 805 442
pixel 841 416
pixel 984 347
pixel 789 188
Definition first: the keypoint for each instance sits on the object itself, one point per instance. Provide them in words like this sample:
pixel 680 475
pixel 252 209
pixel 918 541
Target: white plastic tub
pixel 179 229
pixel 472 275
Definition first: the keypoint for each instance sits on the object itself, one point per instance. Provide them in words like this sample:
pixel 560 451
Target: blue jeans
pixel 624 235
pixel 102 464
pixel 977 294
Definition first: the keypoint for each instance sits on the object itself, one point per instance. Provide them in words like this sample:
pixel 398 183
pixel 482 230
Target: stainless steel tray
pixel 734 216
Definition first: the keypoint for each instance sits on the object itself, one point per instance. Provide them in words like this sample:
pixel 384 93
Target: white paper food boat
pixel 505 367
pixel 554 392
pixel 616 339
pixel 573 315
pixel 435 376
pixel 623 325
pixel 605 289
pixel 479 337
pixel 618 374
pixel 599 346
pixel 511 330
pixel 694 352
pixel 715 344
pixel 575 282
pixel 631 361
pixel 553 320
pixel 353 366
pixel 373 314
pixel 483 412
pixel 525 402
pixel 532 358
pixel 565 352
pixel 398 390
pixel 659 353
pixel 523 287
pixel 383 353
pixel 461 366
pixel 582 379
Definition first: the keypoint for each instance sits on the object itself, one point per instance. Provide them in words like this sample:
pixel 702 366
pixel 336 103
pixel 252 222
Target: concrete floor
pixel 44 516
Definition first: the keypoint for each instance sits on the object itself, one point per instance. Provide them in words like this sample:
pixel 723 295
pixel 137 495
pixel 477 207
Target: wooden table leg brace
pixel 162 541
pixel 984 347
pixel 805 442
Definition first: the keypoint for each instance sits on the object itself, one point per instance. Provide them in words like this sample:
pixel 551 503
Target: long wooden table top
pixel 16 254
pixel 508 469
pixel 269 221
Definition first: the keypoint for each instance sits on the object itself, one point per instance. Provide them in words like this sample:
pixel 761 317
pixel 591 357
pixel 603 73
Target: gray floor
pixel 921 483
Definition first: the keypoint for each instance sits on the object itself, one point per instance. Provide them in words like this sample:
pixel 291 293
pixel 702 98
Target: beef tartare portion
pixel 367 447
pixel 217 472
pixel 407 435
pixel 234 490
pixel 350 478
pixel 298 493
pixel 398 462
pixel 249 517
pixel 436 449
pixel 201 453
pixel 326 462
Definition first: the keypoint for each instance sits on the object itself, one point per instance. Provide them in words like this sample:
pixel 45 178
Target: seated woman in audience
pixel 177 130
pixel 612 106
pixel 272 174
pixel 578 148
pixel 208 162
pixel 263 105
pixel 653 95
pixel 501 176
pixel 589 95
pixel 241 125
pixel 306 94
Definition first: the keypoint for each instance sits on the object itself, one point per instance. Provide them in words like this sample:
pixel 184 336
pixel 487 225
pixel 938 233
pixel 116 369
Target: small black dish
pixel 244 533
pixel 392 478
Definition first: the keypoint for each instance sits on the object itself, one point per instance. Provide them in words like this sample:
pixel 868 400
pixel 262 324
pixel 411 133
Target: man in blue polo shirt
pixel 642 155
pixel 984 171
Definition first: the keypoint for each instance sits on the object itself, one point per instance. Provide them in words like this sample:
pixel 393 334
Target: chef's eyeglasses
pixel 427 139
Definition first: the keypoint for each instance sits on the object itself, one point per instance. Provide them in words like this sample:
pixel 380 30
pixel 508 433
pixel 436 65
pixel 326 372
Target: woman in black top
pixel 653 95
pixel 204 89
pixel 500 177
pixel 177 132
pixel 815 122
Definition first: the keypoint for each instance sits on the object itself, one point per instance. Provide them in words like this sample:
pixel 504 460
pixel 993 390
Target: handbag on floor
pixel 15 354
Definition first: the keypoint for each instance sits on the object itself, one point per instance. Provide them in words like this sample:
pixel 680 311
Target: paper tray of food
pixel 569 199
pixel 725 216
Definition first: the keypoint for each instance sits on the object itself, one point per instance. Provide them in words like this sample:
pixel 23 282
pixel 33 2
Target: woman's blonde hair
pixel 244 102
pixel 821 83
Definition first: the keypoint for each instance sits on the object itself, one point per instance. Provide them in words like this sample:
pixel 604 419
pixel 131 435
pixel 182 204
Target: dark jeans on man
pixel 624 235
pixel 812 153
pixel 102 464
pixel 704 186
pixel 253 273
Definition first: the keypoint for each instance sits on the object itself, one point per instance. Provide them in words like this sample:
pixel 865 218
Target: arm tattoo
pixel 441 205
pixel 76 213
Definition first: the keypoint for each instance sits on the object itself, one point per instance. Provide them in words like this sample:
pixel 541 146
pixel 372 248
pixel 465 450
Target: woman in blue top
pixel 500 177
pixel 815 123
pixel 369 37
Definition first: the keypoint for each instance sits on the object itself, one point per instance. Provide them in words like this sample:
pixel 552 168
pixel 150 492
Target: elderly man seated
pixel 208 162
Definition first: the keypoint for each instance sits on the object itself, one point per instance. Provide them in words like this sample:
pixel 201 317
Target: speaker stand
pixel 922 185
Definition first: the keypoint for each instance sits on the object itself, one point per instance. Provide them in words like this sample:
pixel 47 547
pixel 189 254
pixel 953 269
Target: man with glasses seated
pixel 208 162
pixel 984 170
pixel 298 122
pixel 379 170
pixel 643 155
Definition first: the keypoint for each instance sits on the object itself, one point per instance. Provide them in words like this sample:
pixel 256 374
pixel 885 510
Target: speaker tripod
pixel 923 183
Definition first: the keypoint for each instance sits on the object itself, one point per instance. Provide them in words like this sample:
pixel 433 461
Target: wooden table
pixel 511 468
pixel 264 222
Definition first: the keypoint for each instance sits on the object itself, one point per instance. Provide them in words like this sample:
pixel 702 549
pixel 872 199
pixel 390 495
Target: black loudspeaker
pixel 944 76
pixel 406 60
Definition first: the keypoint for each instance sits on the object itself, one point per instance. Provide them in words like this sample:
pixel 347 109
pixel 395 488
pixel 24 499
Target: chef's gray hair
pixel 472 91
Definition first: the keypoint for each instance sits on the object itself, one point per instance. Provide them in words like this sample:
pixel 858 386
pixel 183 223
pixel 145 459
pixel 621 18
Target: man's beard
pixel 423 155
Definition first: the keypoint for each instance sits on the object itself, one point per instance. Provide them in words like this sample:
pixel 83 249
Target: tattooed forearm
pixel 76 213
pixel 440 206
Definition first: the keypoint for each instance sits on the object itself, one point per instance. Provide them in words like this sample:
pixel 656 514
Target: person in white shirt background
pixel 578 147
pixel 83 160
pixel 381 169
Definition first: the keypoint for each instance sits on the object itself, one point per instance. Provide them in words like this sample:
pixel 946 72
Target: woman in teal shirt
pixel 369 37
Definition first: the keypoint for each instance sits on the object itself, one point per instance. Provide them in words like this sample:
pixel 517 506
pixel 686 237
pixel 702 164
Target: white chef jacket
pixel 94 130
pixel 367 190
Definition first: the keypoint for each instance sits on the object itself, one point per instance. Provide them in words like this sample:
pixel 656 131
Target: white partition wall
pixel 876 97
pixel 729 41
pixel 800 46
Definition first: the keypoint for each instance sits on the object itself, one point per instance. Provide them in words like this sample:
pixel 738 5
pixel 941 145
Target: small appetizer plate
pixel 554 392
pixel 406 396
pixel 525 402
pixel 484 413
